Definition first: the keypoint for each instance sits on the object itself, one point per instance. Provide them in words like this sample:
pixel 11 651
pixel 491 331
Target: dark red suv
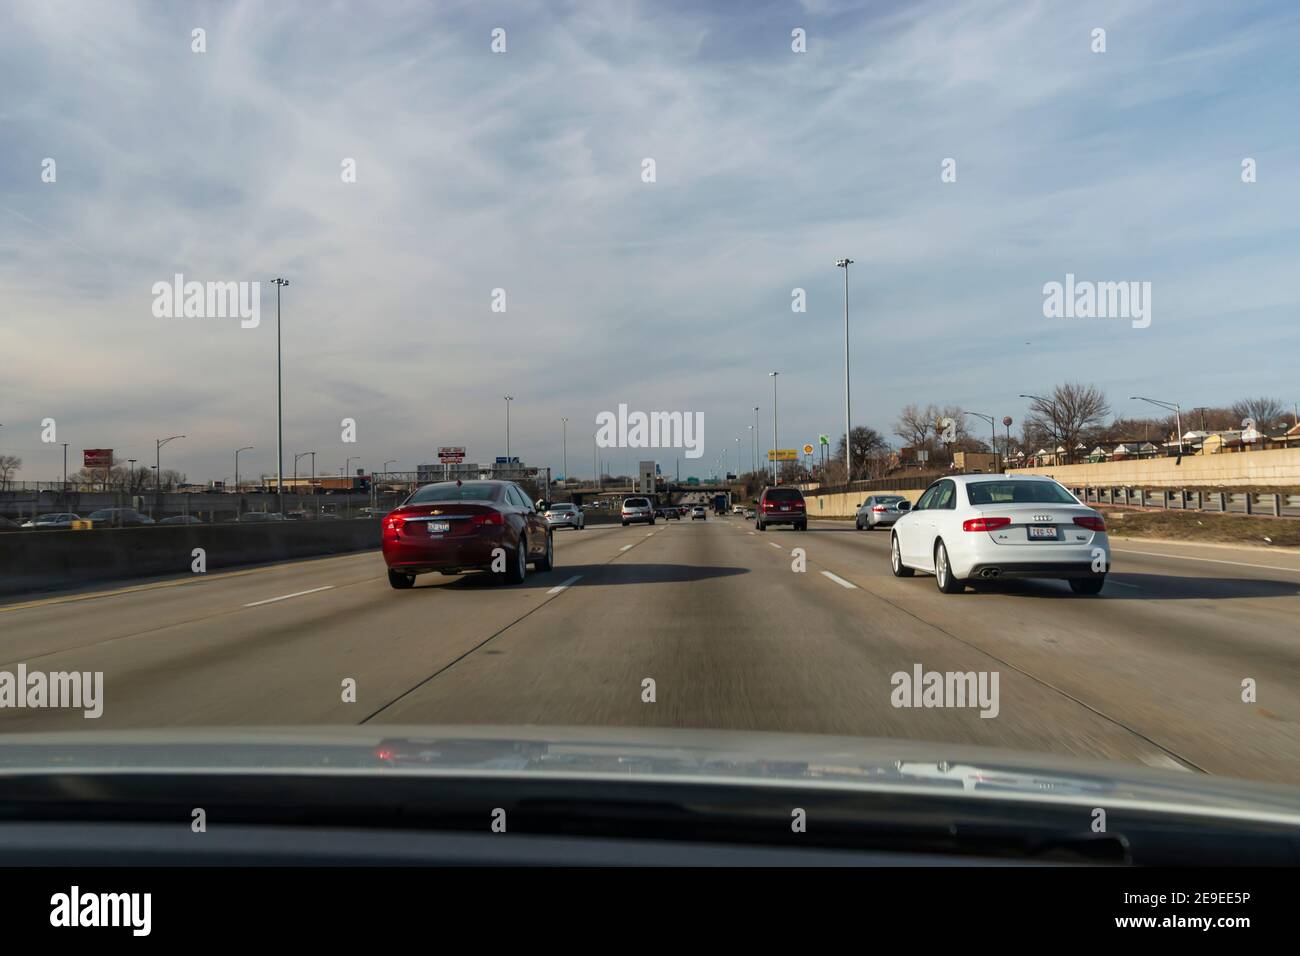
pixel 781 506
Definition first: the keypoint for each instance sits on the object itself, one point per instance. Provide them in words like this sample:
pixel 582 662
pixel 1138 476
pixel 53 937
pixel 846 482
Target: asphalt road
pixel 713 612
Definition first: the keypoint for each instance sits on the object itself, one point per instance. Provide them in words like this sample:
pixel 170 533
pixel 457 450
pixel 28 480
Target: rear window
pixel 783 494
pixel 561 507
pixel 1018 492
pixel 636 503
pixel 470 491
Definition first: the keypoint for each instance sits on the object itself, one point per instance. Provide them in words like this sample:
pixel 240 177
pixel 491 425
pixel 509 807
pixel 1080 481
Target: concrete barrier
pixel 1276 467
pixel 50 560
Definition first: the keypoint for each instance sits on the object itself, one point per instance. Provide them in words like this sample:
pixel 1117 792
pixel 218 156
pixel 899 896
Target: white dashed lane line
pixel 840 581
pixel 626 546
pixel 285 597
pixel 560 587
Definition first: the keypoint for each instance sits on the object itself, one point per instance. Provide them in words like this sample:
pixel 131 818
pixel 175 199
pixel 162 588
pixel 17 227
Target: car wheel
pixel 801 526
pixel 548 562
pixel 896 560
pixel 624 524
pixel 1087 585
pixel 760 526
pixel 517 570
pixel 400 580
pixel 858 523
pixel 943 576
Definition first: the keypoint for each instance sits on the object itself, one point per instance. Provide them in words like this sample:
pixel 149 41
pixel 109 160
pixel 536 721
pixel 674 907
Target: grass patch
pixel 1199 526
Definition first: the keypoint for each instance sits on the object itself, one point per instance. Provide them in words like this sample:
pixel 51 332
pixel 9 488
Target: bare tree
pixel 9 465
pixel 915 425
pixel 1072 410
pixel 869 447
pixel 1265 411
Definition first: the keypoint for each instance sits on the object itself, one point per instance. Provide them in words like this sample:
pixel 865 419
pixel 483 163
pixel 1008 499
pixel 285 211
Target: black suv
pixel 781 506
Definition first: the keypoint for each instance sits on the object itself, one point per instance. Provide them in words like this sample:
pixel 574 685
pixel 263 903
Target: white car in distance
pixel 970 528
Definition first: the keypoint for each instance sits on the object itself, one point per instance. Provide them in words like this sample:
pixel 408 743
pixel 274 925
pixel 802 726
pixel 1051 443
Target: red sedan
pixel 455 526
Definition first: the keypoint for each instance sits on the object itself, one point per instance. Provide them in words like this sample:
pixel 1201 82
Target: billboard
pixel 97 458
pixel 783 454
pixel 451 453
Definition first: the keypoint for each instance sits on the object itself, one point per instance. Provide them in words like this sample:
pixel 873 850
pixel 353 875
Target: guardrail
pixel 1270 505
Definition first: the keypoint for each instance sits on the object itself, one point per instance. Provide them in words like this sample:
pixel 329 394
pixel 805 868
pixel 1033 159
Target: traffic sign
pixel 807 449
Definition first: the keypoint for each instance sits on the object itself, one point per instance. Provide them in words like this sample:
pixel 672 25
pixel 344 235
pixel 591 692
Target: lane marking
pixel 753 532
pixel 1164 762
pixel 560 587
pixel 625 547
pixel 840 581
pixel 773 544
pixel 285 597
pixel 1187 557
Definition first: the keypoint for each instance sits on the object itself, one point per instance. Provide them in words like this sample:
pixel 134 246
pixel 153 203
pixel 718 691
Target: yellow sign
pixel 82 525
pixel 807 449
pixel 783 454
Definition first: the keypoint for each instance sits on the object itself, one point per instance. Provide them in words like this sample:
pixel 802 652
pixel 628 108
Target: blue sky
pixel 521 171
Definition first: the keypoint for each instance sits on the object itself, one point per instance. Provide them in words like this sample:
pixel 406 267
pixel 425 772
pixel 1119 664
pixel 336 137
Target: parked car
pixel 637 509
pixel 562 514
pixel 456 526
pixel 781 505
pixel 118 518
pixel 881 511
pixel 969 528
pixel 181 519
pixel 52 522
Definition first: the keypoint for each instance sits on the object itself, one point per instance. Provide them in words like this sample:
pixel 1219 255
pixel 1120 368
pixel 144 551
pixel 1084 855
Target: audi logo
pixel 1042 517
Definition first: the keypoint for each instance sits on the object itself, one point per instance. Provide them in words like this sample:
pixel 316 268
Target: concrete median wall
pixel 845 505
pixel 1279 467
pixel 51 560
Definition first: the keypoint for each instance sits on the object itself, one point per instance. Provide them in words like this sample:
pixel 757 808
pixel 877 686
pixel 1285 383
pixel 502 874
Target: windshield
pixel 453 492
pixel 1018 492
pixel 921 372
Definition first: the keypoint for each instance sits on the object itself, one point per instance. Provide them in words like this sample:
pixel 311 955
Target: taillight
pixel 984 524
pixel 878 508
pixel 489 517
pixel 394 524
pixel 799 503
pixel 1091 522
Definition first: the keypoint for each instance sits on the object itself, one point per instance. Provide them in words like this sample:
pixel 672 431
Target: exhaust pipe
pixel 989 573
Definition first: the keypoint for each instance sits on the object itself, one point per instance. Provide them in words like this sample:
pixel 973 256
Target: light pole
pixel 130 476
pixel 157 452
pixel 993 425
pixel 280 283
pixel 509 399
pixel 1052 406
pixel 250 448
pixel 347 465
pixel 65 468
pixel 564 426
pixel 1006 420
pixel 753 451
pixel 737 456
pixel 1174 407
pixel 296 458
pixel 391 461
pixel 776 444
pixel 848 432
pixel 758 439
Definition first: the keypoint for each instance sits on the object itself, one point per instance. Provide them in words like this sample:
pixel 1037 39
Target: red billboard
pixel 97 458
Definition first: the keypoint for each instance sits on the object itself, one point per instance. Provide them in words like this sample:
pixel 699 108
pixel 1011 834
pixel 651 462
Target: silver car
pixel 881 511
pixel 637 509
pixel 565 515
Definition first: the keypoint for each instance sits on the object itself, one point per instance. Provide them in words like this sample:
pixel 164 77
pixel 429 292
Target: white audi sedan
pixel 981 527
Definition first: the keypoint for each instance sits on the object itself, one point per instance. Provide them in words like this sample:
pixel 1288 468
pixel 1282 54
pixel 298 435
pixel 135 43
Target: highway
pixel 1149 672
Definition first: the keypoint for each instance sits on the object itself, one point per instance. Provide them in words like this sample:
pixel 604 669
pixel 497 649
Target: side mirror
pixel 905 506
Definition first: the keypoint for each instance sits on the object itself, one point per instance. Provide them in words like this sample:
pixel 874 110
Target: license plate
pixel 785 507
pixel 439 527
pixel 1043 532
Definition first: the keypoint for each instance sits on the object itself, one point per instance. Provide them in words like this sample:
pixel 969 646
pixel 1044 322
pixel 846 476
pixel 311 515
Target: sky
pixel 523 171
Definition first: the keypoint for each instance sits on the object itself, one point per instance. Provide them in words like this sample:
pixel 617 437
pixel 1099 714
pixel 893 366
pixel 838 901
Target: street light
pixel 1051 404
pixel 1173 406
pixel 848 443
pixel 300 455
pixel 758 439
pixel 564 425
pixel 776 444
pixel 993 425
pixel 347 465
pixel 753 451
pixel 384 467
pixel 509 399
pixel 250 448
pixel 157 452
pixel 279 400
